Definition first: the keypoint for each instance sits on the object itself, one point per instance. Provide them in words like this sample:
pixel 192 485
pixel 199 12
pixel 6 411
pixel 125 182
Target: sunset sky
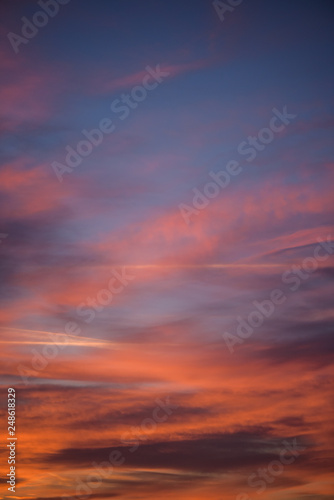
pixel 167 288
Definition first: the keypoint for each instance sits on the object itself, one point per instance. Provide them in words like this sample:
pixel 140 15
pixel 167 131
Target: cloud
pixel 220 452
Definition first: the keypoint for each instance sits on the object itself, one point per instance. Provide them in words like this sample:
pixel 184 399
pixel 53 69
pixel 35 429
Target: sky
pixel 167 256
